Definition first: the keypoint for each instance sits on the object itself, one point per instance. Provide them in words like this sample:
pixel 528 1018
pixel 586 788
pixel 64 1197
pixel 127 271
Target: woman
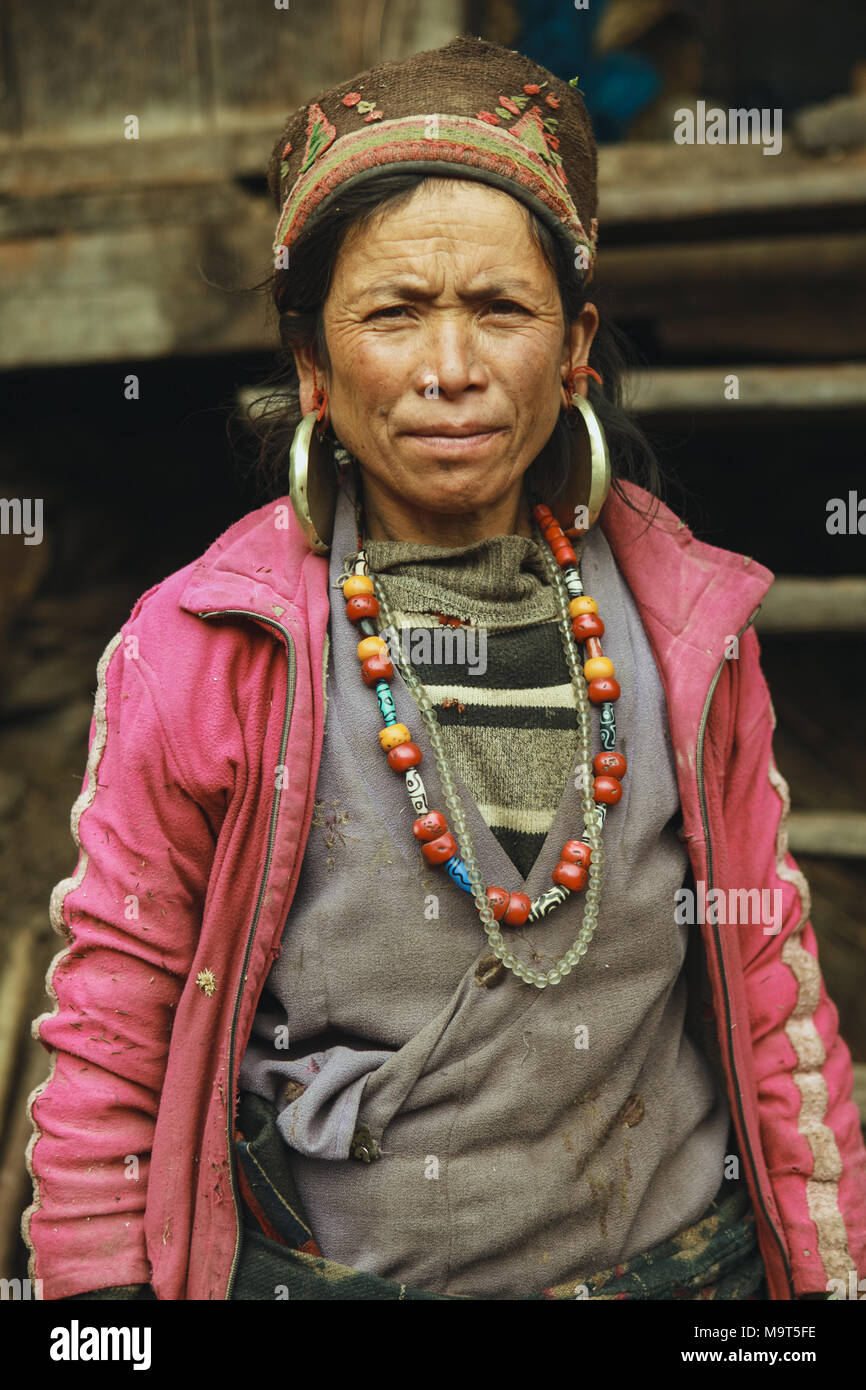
pixel 380 980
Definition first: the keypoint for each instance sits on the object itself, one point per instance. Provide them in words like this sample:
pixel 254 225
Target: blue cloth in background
pixel 615 86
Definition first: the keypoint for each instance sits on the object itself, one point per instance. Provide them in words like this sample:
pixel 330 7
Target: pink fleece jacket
pixel 191 826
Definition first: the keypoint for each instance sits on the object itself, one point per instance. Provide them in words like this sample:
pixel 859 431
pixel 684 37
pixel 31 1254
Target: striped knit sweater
pixel 501 689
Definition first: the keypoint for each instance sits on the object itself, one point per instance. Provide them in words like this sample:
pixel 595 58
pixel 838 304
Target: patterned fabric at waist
pixel 715 1258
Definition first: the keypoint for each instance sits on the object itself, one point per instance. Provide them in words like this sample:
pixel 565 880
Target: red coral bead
pixel 564 554
pixel 609 765
pixel 437 851
pixel 519 907
pixel 572 876
pixel 603 688
pixel 376 668
pixel 543 515
pixel 587 625
pixel 431 826
pixel 577 852
pixel 607 789
pixel 362 606
pixel 404 756
pixel 499 898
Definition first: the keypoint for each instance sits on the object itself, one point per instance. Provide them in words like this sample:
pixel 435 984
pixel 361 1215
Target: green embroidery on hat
pixel 320 134
pixel 530 130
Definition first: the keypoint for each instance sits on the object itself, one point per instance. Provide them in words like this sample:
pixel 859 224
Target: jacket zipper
pixel 287 719
pixel 717 936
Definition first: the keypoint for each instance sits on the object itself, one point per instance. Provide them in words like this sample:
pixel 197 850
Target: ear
pixel 575 350
pixel 304 360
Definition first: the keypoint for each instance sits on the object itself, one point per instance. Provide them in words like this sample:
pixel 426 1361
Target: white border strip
pixel 58 897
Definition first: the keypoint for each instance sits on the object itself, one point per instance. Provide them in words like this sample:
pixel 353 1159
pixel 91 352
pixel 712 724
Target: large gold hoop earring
pixel 313 484
pixel 596 486
pixel 589 476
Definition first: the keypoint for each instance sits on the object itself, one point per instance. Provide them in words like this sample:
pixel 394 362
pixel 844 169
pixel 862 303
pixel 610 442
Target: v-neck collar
pixel 494 864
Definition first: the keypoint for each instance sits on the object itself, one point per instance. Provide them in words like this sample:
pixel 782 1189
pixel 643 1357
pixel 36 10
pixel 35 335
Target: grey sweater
pixel 521 1137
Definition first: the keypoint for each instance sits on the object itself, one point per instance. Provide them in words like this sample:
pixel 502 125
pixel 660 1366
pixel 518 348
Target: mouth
pixel 455 439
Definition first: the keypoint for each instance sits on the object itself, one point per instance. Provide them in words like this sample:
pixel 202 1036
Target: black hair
pixel 299 292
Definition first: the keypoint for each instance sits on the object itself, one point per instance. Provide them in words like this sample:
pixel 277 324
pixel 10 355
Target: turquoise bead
pixel 387 708
pixel 458 873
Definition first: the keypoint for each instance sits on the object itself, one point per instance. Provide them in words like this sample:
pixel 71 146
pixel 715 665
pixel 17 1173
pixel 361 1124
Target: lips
pixel 455 431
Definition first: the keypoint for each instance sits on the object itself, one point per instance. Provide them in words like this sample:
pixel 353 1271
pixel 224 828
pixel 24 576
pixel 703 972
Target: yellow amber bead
pixel 584 604
pixel 597 666
pixel 393 736
pixel 371 646
pixel 357 584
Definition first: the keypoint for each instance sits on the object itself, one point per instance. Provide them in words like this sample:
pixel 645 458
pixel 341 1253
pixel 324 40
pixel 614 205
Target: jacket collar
pixel 692 597
pixel 259 566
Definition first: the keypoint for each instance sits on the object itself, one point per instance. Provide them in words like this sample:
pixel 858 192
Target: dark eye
pixel 391 309
pixel 507 306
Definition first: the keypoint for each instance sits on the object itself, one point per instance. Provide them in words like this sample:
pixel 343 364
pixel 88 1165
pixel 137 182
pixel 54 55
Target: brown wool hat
pixel 470 109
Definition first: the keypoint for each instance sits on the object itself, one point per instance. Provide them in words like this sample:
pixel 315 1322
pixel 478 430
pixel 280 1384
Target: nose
pixel 451 356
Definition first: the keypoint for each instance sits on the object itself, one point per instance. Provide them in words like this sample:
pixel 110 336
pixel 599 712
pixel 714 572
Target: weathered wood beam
pixel 837 834
pixel 814 604
pixel 828 386
pixel 664 182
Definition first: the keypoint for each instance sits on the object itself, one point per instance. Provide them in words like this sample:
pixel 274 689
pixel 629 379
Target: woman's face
pixel 448 353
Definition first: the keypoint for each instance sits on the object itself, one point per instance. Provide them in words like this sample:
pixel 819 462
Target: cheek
pixel 372 373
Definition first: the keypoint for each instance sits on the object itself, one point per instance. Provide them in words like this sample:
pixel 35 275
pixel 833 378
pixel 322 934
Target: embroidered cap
pixel 470 109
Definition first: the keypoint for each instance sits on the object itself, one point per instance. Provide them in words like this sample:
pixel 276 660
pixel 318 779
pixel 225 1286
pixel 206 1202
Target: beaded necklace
pixel 581 861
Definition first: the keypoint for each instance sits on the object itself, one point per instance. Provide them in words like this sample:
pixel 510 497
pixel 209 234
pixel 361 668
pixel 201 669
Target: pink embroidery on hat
pixel 373 116
pixel 351 98
pixel 532 135
pixel 320 134
pixel 488 116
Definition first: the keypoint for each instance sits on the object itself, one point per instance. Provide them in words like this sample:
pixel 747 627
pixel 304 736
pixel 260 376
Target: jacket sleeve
pixel 131 914
pixel 810 1128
